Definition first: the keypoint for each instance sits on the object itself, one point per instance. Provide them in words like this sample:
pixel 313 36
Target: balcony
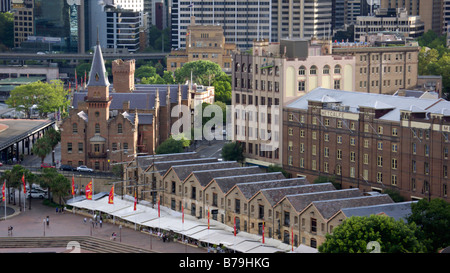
pixel 97 154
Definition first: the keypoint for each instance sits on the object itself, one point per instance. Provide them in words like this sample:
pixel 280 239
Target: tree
pixel 14 178
pixel 49 179
pixel 60 186
pixel 222 88
pixel 327 179
pixel 7 30
pixel 394 194
pixel 355 233
pixel 170 146
pixel 433 218
pixel 274 169
pixel 145 71
pixel 232 152
pixel 203 72
pixel 49 97
pixel 54 138
pixel 42 147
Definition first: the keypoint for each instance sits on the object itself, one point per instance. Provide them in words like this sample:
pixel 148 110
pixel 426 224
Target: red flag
pixel 76 81
pixel 234 226
pixel 208 218
pixel 3 191
pixel 159 210
pixel 73 185
pixel 23 181
pixel 89 191
pixel 263 233
pixel 135 199
pixel 292 238
pixel 111 196
pixel 182 214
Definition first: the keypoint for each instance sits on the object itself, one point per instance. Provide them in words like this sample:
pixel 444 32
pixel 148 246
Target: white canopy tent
pixel 170 220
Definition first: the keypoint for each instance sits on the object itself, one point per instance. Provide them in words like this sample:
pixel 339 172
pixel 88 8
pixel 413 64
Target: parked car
pixel 35 193
pixel 67 168
pixel 46 165
pixel 36 187
pixel 84 169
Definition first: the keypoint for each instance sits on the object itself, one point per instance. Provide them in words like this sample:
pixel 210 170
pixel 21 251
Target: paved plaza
pixel 30 224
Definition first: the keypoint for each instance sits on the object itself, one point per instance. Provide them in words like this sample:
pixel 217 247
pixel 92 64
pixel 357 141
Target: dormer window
pixel 96 76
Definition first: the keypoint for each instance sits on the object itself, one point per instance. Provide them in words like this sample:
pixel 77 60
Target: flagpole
pixel 4 196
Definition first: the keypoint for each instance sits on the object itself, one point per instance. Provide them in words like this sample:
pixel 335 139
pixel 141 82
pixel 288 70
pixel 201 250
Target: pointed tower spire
pixel 98 75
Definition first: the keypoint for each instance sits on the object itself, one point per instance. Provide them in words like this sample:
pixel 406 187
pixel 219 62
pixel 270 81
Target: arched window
pixel 301 70
pixel 313 243
pixel 244 68
pixel 326 69
pixel 337 69
pixel 313 70
pixel 237 67
pixel 250 68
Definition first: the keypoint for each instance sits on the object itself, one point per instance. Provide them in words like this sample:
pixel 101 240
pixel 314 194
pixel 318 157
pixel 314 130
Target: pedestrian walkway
pixel 32 223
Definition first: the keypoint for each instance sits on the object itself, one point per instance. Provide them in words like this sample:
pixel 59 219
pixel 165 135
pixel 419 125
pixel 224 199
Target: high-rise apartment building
pixel 5 5
pixel 273 74
pixel 23 21
pixel 125 28
pixel 392 20
pixel 430 11
pixel 385 64
pixel 245 21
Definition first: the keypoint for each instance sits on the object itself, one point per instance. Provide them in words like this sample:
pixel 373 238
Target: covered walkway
pixel 193 230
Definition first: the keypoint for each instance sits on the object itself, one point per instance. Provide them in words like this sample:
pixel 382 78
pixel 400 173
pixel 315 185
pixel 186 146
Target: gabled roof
pixel 183 171
pixel 249 189
pixel 163 166
pixel 301 201
pixel 327 208
pixel 147 160
pixel 396 210
pixel 226 183
pixel 274 195
pixel 205 176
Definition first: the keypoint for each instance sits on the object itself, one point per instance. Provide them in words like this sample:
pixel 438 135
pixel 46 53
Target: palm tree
pixel 41 148
pixel 54 138
pixel 60 186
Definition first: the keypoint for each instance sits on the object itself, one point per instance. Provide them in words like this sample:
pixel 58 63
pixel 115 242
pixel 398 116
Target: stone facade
pixel 108 123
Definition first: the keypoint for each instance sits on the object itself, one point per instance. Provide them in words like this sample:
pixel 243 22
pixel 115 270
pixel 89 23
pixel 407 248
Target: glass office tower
pixel 58 23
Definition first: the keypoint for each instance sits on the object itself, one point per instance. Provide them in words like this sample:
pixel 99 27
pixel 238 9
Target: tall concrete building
pixel 430 11
pixel 393 20
pixel 272 75
pixel 5 5
pixel 245 21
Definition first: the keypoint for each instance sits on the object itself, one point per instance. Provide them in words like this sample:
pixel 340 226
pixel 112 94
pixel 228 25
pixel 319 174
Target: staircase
pixel 86 244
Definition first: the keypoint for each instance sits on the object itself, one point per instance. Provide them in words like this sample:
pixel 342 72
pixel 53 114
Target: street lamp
pixel 44 226
pixel 120 233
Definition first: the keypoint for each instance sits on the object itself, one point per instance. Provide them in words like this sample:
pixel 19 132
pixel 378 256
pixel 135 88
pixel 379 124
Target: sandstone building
pixel 109 122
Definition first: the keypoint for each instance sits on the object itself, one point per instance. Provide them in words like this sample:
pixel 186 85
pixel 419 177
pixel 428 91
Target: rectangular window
pixel 380 161
pixel 69 147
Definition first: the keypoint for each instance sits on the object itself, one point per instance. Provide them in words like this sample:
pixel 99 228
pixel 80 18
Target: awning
pixel 170 220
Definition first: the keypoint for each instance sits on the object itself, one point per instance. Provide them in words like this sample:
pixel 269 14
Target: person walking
pixel 48 221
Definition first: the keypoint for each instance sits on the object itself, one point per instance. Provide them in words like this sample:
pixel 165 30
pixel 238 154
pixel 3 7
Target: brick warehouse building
pixel 109 122
pixel 369 141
